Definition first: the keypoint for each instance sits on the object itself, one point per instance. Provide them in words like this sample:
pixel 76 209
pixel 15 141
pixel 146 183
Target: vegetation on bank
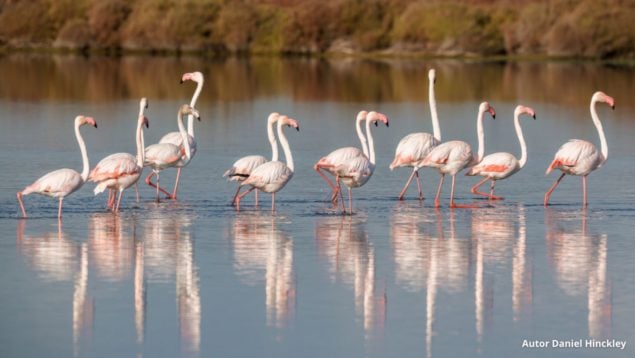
pixel 556 28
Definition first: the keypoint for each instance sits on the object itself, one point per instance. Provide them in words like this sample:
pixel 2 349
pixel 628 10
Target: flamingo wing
pixel 341 155
pixel 496 164
pixel 57 183
pixel 355 168
pixel 243 167
pixel 573 153
pixel 114 166
pixel 413 148
pixel 269 174
pixel 176 139
pixel 162 155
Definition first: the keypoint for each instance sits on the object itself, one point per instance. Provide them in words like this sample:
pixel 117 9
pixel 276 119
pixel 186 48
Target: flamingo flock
pixel 352 166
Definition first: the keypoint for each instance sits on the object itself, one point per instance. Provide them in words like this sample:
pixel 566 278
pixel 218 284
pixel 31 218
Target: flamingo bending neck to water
pixel 579 157
pixel 414 147
pixel 120 171
pixel 62 182
pixel 502 165
pixel 454 156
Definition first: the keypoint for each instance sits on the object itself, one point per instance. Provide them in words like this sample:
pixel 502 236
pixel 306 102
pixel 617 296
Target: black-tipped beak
pixel 146 106
pixel 181 82
pixel 493 116
pixel 613 107
pixel 434 82
pixel 534 117
pixel 147 124
pixel 297 128
pixel 199 118
pixel 376 124
pixel 387 124
pixel 95 125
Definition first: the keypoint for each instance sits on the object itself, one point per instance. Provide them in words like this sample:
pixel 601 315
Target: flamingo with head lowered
pixel 502 165
pixel 579 157
pixel 272 176
pixel 62 182
pixel 120 171
pixel 453 156
pixel 241 169
pixel 166 155
pixel 176 138
pixel 414 147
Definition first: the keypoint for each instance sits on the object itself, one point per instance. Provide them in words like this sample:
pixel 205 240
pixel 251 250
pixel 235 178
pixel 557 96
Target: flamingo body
pixel 337 157
pixel 56 184
pixel 577 157
pixel 242 168
pixel 355 172
pixel 163 155
pixel 269 177
pixel 412 149
pixel 116 171
pixel 450 157
pixel 177 139
pixel 496 166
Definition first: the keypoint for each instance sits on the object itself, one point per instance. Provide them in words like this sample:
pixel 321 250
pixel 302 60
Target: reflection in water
pixel 82 313
pixel 522 286
pixel 261 249
pixel 579 260
pixel 187 294
pixel 110 246
pixel 343 241
pixel 139 293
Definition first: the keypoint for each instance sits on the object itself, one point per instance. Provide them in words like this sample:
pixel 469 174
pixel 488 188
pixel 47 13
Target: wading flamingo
pixel 339 156
pixel 176 138
pixel 62 182
pixel 579 157
pixel 414 147
pixel 454 156
pixel 241 169
pixel 120 171
pixel 166 155
pixel 356 171
pixel 502 165
pixel 272 176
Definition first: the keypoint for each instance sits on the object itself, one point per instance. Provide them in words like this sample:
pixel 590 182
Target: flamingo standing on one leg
pixel 62 182
pixel 241 169
pixel 356 171
pixel 165 155
pixel 272 176
pixel 176 138
pixel 502 165
pixel 454 156
pixel 120 171
pixel 579 157
pixel 339 156
pixel 414 147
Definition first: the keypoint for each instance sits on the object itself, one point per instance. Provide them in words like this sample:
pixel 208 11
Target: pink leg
pixel 437 203
pixel 452 204
pixel 256 204
pixel 491 192
pixel 19 195
pixel 136 191
pixel 584 202
pixel 548 193
pixel 350 201
pixel 119 200
pixel 235 195
pixel 328 181
pixel 403 191
pixel 273 201
pixel 242 196
pixel 59 209
pixel 158 186
pixel 475 187
pixel 176 184
pixel 339 189
pixel 419 185
pixel 149 182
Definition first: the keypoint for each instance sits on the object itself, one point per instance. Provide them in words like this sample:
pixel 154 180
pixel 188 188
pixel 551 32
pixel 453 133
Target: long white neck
pixel 285 146
pixel 186 141
pixel 272 141
pixel 190 118
pixel 433 112
pixel 360 134
pixel 481 135
pixel 82 148
pixel 371 143
pixel 521 140
pixel 140 144
pixel 598 125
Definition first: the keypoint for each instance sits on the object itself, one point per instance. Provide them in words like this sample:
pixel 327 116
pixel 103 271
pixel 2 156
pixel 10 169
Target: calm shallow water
pixel 195 278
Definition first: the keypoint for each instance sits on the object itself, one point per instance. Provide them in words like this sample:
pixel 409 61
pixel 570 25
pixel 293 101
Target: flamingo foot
pixel 464 206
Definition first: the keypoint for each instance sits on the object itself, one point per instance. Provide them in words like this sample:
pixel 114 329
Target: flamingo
pixel 62 182
pixel 502 165
pixel 579 157
pixel 453 156
pixel 241 169
pixel 120 171
pixel 414 147
pixel 272 176
pixel 166 155
pixel 339 156
pixel 356 171
pixel 176 138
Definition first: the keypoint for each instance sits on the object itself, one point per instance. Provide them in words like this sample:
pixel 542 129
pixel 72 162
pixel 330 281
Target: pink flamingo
pixel 62 182
pixel 502 165
pixel 241 169
pixel 339 156
pixel 414 147
pixel 454 156
pixel 120 171
pixel 166 155
pixel 271 177
pixel 579 157
pixel 176 138
pixel 356 171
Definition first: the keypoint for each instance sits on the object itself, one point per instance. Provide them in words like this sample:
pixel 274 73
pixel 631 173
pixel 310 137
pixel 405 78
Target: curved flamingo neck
pixel 139 138
pixel 598 126
pixel 433 112
pixel 360 134
pixel 184 135
pixel 285 146
pixel 521 140
pixel 272 140
pixel 82 148
pixel 190 118
pixel 481 135
pixel 371 142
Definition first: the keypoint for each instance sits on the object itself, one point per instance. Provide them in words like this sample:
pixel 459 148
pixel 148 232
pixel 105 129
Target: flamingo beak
pixel 376 123
pixel 534 116
pixel 146 122
pixel 613 106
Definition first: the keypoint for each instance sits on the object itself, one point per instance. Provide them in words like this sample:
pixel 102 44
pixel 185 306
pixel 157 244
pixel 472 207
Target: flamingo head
pixel 375 117
pixel 81 120
pixel 289 122
pixel 273 117
pixel 192 76
pixel 361 115
pixel 486 107
pixel 524 109
pixel 432 76
pixel 187 109
pixel 143 104
pixel 600 96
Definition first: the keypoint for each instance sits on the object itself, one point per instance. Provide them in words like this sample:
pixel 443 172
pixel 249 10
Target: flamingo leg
pixel 119 200
pixel 235 195
pixel 475 187
pixel 242 196
pixel 419 185
pixel 339 189
pixel 149 182
pixel 491 192
pixel 59 209
pixel 403 191
pixel 273 201
pixel 584 202
pixel 176 185
pixel 548 193
pixel 136 191
pixel 452 204
pixel 19 195
pixel 317 168
pixel 256 204
pixel 350 201
pixel 158 187
pixel 436 199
